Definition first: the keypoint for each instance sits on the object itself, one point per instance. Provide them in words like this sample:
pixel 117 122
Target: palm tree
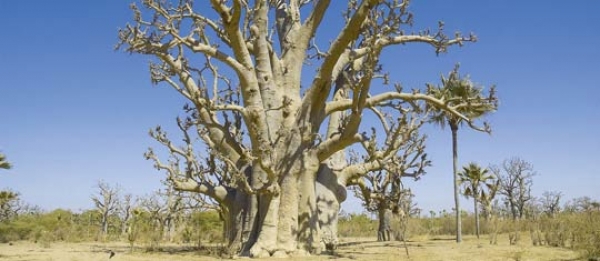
pixel 461 95
pixel 477 183
pixel 3 163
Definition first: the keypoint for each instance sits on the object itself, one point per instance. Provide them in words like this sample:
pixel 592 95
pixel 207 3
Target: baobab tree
pixel 550 201
pixel 240 68
pixel 165 209
pixel 107 203
pixel 516 179
pixel 382 191
pixel 124 211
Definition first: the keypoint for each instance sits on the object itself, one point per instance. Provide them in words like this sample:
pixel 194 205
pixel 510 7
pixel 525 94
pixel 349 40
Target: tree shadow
pixel 354 243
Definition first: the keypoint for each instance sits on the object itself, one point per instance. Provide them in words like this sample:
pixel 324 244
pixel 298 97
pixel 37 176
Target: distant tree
pixel 476 183
pixel 407 206
pixel 173 212
pixel 489 203
pixel 582 204
pixel 107 203
pixel 4 164
pixel 381 192
pixel 165 208
pixel 516 179
pixel 9 204
pixel 457 90
pixel 89 219
pixel 124 211
pixel 550 201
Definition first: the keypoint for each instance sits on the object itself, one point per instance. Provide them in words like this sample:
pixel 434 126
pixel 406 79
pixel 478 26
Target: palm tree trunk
pixel 454 128
pixel 476 216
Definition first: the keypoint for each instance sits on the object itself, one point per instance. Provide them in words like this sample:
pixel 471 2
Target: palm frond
pixel 477 182
pixel 457 90
pixel 3 163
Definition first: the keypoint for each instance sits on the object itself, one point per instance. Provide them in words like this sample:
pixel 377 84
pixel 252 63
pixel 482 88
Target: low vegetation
pixel 574 232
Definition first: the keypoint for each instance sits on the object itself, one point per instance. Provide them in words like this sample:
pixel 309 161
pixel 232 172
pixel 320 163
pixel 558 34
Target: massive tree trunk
pixel 330 194
pixel 233 225
pixel 309 231
pixel 267 226
pixel 331 187
pixel 290 222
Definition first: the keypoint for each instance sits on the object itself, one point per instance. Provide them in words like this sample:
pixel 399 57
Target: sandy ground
pixel 350 249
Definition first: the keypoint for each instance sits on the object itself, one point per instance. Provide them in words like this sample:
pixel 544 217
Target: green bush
pixel 357 225
pixel 585 232
pixel 13 231
pixel 207 226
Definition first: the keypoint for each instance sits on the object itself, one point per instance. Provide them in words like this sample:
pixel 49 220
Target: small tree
pixel 164 208
pixel 516 179
pixel 9 204
pixel 476 183
pixel 107 204
pixel 550 201
pixel 582 204
pixel 407 208
pixel 382 192
pixel 124 210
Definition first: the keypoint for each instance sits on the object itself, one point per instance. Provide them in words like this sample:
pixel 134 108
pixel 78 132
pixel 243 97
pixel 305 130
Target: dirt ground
pixel 351 249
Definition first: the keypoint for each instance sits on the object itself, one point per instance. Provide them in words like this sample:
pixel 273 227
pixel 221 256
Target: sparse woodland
pixel 262 161
pixel 150 226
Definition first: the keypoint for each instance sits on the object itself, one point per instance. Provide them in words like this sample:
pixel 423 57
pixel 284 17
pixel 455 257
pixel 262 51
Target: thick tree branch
pixel 314 100
pixel 389 96
pixel 230 18
pixel 310 25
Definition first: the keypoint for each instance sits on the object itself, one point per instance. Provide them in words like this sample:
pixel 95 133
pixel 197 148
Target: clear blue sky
pixel 74 111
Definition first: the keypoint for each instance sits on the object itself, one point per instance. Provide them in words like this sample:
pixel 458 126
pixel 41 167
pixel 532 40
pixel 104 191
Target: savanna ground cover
pixel 421 248
pixel 564 237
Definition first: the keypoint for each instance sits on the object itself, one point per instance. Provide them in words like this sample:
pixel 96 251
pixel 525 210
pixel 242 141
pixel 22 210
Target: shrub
pixel 357 225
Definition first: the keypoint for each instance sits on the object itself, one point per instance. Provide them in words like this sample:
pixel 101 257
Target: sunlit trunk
pixel 309 235
pixel 454 129
pixel 475 205
pixel 267 227
pixel 330 195
pixel 287 228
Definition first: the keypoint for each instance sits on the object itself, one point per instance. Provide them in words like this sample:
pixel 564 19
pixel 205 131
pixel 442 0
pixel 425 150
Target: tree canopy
pixel 267 136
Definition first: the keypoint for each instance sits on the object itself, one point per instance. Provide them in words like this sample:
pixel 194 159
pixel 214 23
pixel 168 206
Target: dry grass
pixel 441 248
